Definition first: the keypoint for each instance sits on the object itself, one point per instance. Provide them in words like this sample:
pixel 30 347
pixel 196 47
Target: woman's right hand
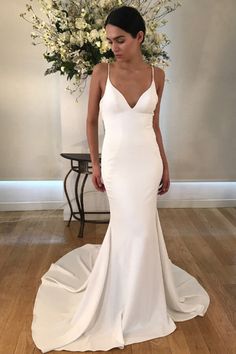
pixel 97 179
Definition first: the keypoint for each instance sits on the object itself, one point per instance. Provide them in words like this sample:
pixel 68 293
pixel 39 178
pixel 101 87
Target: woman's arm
pixel 159 81
pixel 159 77
pixel 92 125
pixel 92 115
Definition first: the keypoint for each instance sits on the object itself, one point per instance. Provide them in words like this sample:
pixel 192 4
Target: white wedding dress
pixel 125 290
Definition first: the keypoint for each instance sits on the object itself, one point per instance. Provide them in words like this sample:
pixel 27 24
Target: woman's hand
pixel 165 181
pixel 96 178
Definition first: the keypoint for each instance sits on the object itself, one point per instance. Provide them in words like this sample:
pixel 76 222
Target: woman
pixel 125 290
pixel 128 69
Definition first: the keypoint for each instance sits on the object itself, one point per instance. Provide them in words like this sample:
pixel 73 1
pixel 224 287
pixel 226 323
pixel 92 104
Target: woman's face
pixel 122 44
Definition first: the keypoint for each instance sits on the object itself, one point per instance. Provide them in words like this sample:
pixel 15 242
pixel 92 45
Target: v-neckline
pixel 124 96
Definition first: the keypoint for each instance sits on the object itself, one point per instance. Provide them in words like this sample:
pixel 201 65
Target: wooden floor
pixel 200 240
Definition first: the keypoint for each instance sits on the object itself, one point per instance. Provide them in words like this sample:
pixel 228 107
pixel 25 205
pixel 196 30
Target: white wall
pixel 30 136
pixel 198 105
pixel 198 109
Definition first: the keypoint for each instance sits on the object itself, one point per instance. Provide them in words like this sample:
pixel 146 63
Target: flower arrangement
pixel 72 32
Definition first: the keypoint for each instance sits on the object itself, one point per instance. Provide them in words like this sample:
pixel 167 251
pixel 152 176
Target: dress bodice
pixel 114 102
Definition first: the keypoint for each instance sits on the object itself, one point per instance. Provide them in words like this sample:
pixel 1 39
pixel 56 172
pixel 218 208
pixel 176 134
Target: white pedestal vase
pixel 74 140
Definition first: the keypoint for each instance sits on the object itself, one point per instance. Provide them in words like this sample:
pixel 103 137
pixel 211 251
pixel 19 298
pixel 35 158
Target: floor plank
pixel 200 240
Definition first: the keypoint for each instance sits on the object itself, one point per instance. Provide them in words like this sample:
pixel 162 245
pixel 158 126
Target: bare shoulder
pixel 159 78
pixel 99 69
pixel 100 74
pixel 95 91
pixel 159 74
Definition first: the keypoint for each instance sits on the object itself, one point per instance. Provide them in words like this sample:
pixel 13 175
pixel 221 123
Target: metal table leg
pixel 82 206
pixel 67 196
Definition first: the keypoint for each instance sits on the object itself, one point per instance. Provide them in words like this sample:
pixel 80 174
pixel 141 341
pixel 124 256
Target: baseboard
pixel 31 195
pixel 193 194
pixel 40 195
pixel 200 203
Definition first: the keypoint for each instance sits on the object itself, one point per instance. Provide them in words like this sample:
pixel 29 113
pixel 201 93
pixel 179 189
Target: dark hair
pixel 128 19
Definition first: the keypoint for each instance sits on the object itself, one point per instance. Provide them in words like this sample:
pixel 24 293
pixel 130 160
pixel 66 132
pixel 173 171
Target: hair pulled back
pixel 128 19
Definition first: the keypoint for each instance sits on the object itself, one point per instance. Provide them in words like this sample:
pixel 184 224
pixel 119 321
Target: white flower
pixel 102 33
pixel 80 23
pixel 159 36
pixel 65 36
pixel 104 60
pixel 102 3
pixel 77 38
pixel 94 34
pixel 99 22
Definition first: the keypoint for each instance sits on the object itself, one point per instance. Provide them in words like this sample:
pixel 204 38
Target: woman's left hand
pixel 165 182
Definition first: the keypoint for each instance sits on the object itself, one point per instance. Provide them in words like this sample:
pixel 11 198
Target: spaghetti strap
pixel 108 70
pixel 152 72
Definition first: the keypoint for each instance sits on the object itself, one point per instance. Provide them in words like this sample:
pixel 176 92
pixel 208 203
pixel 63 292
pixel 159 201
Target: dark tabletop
pixel 78 157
